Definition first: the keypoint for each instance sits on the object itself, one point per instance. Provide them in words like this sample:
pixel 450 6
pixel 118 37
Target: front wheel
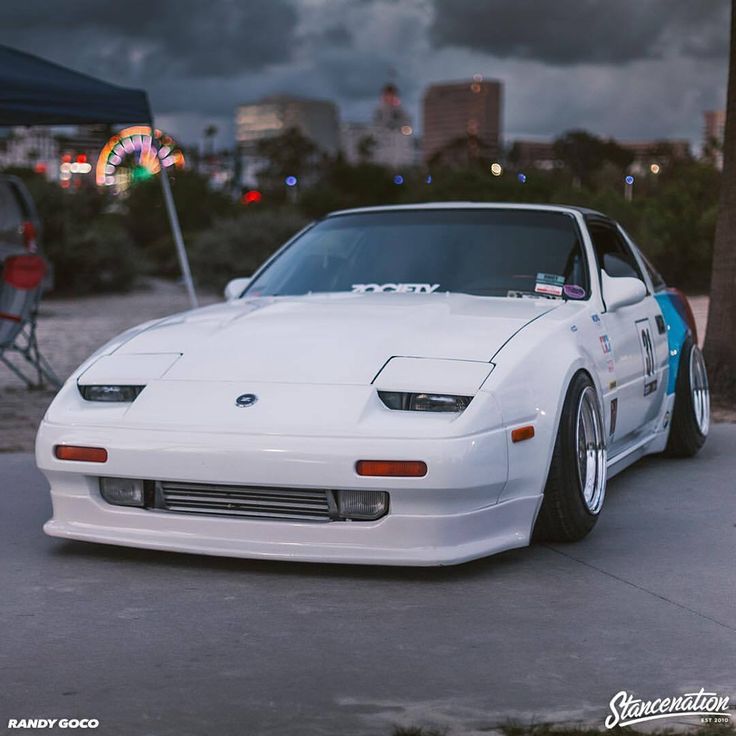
pixel 576 485
pixel 691 414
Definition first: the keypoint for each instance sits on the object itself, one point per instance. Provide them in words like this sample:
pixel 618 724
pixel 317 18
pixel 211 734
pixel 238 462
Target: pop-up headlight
pixel 406 401
pixel 120 394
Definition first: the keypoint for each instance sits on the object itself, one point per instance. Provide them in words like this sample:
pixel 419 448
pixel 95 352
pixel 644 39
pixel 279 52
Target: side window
pixel 657 281
pixel 613 254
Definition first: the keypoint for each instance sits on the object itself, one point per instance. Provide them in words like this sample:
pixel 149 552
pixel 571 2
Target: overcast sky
pixel 627 68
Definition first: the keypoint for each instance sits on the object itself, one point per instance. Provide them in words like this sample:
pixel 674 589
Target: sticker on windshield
pixel 573 291
pixel 549 283
pixel 402 288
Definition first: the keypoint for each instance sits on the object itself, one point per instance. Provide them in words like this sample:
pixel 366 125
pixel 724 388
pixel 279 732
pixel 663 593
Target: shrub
pixel 237 246
pixel 93 258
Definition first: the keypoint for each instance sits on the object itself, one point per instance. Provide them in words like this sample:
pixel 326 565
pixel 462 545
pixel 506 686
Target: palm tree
pixel 209 139
pixel 720 339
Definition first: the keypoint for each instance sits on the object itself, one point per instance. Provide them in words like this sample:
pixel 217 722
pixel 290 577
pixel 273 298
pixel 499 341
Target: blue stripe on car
pixel 677 332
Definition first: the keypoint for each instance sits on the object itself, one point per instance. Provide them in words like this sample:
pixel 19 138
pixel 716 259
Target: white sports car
pixel 413 385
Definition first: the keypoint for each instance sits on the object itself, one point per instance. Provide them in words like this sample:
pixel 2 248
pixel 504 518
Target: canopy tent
pixel 34 91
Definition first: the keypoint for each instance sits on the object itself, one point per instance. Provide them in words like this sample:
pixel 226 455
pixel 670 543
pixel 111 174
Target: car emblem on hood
pixel 245 400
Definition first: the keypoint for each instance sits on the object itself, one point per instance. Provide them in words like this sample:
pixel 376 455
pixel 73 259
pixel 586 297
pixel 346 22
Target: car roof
pixel 472 206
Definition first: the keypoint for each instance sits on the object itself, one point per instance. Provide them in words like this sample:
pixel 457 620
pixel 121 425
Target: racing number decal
pixel 647 355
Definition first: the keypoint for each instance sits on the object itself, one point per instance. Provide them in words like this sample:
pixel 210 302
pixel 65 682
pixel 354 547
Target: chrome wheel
pixel 591 451
pixel 700 390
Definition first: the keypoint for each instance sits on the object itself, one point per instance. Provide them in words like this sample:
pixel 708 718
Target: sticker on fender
pixel 401 288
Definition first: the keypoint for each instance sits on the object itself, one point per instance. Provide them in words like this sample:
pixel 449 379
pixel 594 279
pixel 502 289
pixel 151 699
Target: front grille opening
pixel 292 504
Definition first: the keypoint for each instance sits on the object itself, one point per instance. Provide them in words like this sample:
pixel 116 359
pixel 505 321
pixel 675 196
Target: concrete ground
pixel 162 644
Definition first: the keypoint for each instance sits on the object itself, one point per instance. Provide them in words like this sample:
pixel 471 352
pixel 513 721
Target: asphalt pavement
pixel 154 643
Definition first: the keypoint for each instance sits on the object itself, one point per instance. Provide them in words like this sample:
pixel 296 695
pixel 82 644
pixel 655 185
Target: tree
pixel 720 339
pixel 584 154
pixel 288 154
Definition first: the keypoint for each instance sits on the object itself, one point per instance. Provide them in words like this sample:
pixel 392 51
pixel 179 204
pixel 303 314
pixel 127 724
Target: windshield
pixel 486 252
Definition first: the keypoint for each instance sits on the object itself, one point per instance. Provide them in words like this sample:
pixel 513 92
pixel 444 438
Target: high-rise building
pixel 274 115
pixel 462 121
pixel 389 139
pixel 271 116
pixel 715 125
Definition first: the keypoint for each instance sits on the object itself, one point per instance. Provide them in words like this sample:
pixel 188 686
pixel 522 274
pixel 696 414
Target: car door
pixel 636 340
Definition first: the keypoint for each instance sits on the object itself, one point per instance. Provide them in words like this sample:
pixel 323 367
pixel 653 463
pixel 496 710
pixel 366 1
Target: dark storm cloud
pixel 567 32
pixel 195 38
pixel 337 35
pixel 563 61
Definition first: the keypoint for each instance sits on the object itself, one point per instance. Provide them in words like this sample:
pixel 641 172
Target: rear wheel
pixel 576 485
pixel 691 414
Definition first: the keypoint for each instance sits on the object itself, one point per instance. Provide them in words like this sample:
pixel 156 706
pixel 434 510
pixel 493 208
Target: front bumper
pixel 449 516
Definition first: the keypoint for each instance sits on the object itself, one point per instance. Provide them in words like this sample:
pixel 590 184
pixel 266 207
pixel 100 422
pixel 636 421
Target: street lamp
pixel 629 188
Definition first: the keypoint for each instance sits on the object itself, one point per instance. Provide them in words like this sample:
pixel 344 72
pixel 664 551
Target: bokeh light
pixel 251 197
pixel 496 169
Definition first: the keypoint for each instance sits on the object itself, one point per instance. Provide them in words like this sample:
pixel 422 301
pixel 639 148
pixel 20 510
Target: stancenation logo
pixel 626 709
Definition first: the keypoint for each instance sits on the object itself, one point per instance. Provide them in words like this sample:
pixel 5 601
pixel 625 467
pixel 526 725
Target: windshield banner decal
pixel 403 288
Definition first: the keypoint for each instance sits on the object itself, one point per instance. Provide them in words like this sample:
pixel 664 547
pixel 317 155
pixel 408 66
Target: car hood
pixel 334 338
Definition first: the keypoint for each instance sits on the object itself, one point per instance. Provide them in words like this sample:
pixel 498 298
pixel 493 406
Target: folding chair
pixel 20 295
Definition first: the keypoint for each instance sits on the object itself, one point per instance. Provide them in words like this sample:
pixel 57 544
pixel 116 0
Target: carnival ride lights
pixel 135 154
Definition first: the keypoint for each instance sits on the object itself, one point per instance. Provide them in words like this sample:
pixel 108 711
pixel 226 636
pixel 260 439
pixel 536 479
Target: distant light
pixel 290 181
pixel 521 177
pixel 398 179
pixel 406 130
pixel 629 179
pixel 251 196
pixel 477 77
pixel 428 180
pixel 82 158
pixel 475 87
pixel 655 168
pixel 496 169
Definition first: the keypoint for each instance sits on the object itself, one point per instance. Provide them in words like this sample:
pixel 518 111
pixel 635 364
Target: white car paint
pixel 315 362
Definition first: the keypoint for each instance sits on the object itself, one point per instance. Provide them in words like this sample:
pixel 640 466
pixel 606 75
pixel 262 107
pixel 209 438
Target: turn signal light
pixel 392 468
pixel 81 454
pixel 522 433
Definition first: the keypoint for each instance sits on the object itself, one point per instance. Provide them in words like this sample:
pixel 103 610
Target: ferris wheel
pixel 135 154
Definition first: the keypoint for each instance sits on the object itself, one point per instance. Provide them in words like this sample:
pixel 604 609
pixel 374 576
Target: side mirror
pixel 621 291
pixel 235 288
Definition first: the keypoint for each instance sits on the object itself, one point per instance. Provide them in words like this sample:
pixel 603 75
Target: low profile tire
pixel 691 415
pixel 576 485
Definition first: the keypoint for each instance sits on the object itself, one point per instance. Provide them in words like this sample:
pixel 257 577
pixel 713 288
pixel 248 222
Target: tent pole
pixel 178 239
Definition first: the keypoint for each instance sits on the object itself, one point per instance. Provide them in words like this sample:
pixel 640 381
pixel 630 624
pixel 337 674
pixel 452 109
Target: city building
pixel 315 119
pixel 31 148
pixel 533 154
pixel 540 154
pixel 461 121
pixel 65 154
pixel 652 155
pixel 389 139
pixel 715 125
